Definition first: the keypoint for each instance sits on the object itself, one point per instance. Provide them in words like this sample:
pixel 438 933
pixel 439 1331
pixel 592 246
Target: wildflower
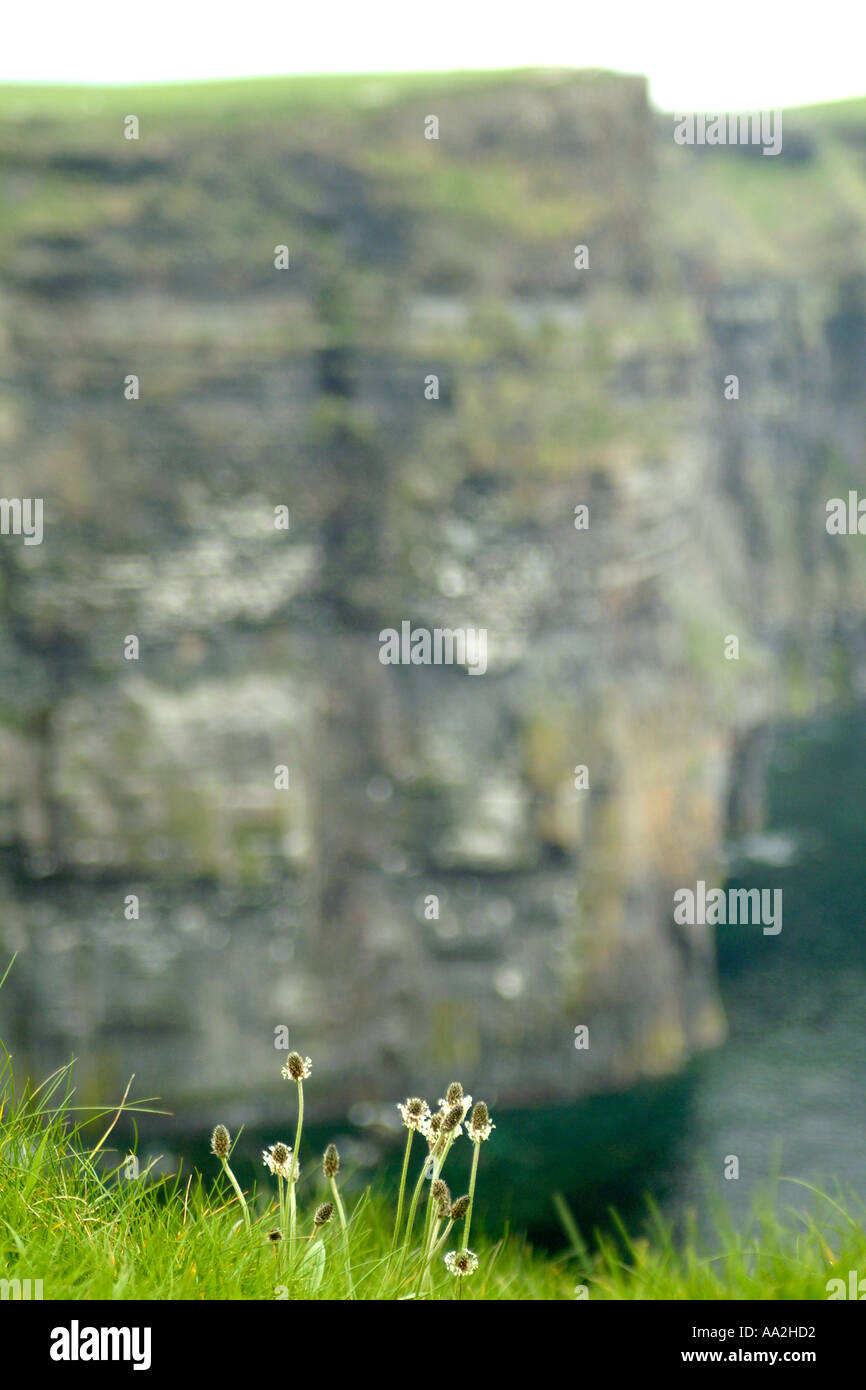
pixel 220 1142
pixel 478 1129
pixel 459 1208
pixel 330 1168
pixel 297 1068
pixel 277 1158
pixel 323 1214
pixel 461 1262
pixel 415 1112
pixel 480 1124
pixel 275 1237
pixel 416 1118
pixel 448 1106
pixel 439 1129
pixel 449 1129
pixel 451 1120
pixel 440 1194
pixel 433 1129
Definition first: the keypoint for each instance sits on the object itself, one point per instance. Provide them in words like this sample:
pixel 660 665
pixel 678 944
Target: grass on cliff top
pixel 257 97
pixel 70 1217
pixel 234 98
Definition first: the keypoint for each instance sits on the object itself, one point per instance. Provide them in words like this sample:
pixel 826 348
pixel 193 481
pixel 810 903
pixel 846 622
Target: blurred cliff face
pixel 287 374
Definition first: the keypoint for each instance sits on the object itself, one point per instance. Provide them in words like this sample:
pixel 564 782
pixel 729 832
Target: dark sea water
pixel 790 1084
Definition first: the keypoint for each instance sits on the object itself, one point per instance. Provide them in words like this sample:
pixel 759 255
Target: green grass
pixel 253 98
pixel 851 109
pixel 230 99
pixel 71 1217
pixel 258 95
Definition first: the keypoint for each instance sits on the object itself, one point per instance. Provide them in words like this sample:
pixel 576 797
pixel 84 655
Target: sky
pixel 698 55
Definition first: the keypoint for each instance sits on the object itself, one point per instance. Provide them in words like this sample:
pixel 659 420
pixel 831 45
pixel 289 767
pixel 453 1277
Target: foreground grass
pixel 71 1217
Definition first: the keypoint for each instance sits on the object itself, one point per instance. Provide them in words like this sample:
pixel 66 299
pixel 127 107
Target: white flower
pixel 432 1128
pixel 453 1096
pixel 278 1159
pixel 297 1068
pixel 416 1113
pixel 461 1262
pixel 480 1124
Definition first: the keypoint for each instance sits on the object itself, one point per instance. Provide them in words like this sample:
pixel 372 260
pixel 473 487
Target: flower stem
pixel 338 1203
pixel 438 1165
pixel 397 1223
pixel 413 1207
pixel 293 1209
pixel 429 1251
pixel 234 1182
pixel 435 1247
pixel 342 1219
pixel 477 1147
pixel 440 1242
pixel 293 1220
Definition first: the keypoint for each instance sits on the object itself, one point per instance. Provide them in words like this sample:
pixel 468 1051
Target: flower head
pixel 323 1214
pixel 297 1068
pixel 433 1129
pixel 459 1208
pixel 460 1106
pixel 415 1112
pixel 480 1123
pixel 220 1142
pixel 278 1159
pixel 461 1262
pixel 331 1161
pixel 275 1236
pixel 451 1119
pixel 440 1194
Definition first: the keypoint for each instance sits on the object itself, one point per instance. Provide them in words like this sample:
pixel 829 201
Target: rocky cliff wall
pixel 259 647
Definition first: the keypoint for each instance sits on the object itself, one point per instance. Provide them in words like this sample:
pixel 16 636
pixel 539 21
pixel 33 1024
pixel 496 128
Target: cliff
pixel 304 388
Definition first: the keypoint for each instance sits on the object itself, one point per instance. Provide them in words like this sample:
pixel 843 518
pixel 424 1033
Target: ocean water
pixel 788 1089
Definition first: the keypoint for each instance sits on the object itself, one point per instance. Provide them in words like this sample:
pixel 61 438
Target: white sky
pixel 711 55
